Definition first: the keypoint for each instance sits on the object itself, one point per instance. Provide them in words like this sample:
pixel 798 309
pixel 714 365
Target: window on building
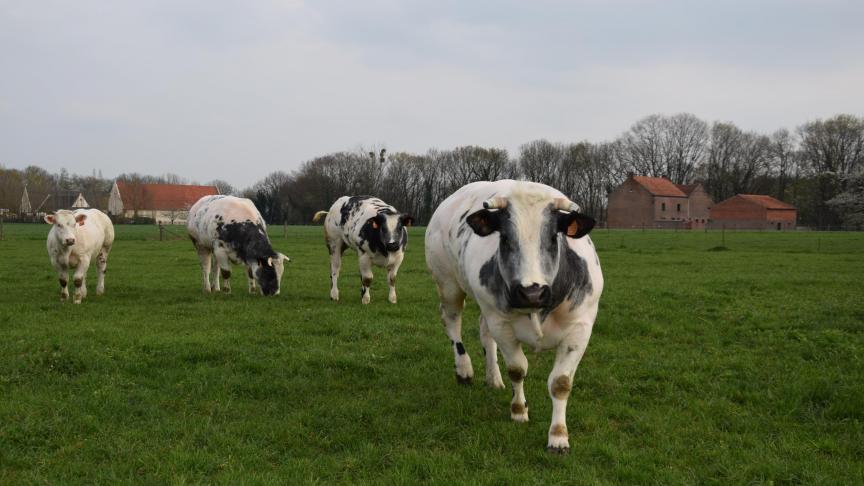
pixel 662 206
pixel 679 208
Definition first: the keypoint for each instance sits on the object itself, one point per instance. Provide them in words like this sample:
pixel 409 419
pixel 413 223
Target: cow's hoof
pixel 334 295
pixel 558 450
pixel 100 291
pixel 365 300
pixel 495 382
pixel 465 380
pixel 392 299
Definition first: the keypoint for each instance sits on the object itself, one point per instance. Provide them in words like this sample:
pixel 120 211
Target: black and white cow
pixel 77 237
pixel 522 251
pixel 373 228
pixel 228 229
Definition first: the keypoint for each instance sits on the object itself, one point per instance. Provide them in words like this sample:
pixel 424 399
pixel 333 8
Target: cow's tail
pixel 319 215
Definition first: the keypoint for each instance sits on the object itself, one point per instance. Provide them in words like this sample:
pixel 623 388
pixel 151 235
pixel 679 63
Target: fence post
pixel 2 235
pixel 285 230
pixel 161 232
pixel 723 235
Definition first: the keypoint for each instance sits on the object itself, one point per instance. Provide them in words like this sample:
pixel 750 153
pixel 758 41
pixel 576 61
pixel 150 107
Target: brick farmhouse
pixel 655 202
pixel 753 211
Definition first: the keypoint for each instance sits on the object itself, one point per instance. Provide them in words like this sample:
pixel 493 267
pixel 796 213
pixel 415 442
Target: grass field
pixel 738 366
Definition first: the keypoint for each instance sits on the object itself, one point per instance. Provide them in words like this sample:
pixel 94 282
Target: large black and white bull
pixel 373 228
pixel 521 250
pixel 77 237
pixel 226 230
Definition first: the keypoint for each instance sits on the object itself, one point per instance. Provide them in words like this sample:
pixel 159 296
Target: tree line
pixel 817 168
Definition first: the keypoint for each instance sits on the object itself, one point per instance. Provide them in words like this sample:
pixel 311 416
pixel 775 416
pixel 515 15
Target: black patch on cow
pixel 351 206
pixel 251 244
pixel 63 282
pixel 226 273
pixel 490 277
pixel 78 282
pixel 572 281
pixel 377 238
pixel 249 272
pixel 460 348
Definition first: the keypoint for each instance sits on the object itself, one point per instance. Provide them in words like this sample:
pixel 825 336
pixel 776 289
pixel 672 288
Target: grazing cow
pixel 375 230
pixel 75 238
pixel 521 250
pixel 226 230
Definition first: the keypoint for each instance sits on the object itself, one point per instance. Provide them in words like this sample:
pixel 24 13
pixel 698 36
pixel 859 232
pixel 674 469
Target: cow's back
pixel 210 212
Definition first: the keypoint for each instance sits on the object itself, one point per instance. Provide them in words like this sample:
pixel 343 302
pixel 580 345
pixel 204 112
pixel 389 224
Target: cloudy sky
pixel 235 89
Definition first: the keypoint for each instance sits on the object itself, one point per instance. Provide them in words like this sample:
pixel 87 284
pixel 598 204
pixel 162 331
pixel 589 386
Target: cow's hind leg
pixel 224 263
pixel 336 249
pixel 452 303
pixel 490 349
pixel 560 382
pixel 102 268
pixel 204 257
pixel 365 277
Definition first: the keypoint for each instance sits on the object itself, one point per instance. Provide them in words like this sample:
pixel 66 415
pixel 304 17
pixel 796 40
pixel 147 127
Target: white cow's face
pixel 64 225
pixel 532 230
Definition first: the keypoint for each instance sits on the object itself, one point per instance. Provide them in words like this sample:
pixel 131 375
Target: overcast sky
pixel 235 89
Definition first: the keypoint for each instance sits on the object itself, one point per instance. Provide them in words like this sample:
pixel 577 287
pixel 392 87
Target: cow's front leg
pixel 517 365
pixel 490 348
pixel 560 382
pixel 365 277
pixel 392 271
pixel 79 277
pixel 63 278
pixel 253 287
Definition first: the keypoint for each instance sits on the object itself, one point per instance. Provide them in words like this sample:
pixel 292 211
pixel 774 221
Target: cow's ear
pixel 483 222
pixel 574 224
pixel 262 262
pixel 49 218
pixel 80 219
pixel 407 220
pixel 374 223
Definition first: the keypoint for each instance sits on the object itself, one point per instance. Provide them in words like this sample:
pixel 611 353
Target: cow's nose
pixel 393 246
pixel 534 295
pixel 70 241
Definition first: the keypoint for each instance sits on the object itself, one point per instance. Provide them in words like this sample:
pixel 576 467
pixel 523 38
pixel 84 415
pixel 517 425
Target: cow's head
pixel 532 229
pixel 64 222
pixel 268 273
pixel 386 232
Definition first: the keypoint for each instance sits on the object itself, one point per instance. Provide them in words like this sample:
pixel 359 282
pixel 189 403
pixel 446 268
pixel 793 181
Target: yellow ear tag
pixel 572 228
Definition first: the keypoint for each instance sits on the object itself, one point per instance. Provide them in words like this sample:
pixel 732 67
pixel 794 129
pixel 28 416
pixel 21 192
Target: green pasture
pixel 716 358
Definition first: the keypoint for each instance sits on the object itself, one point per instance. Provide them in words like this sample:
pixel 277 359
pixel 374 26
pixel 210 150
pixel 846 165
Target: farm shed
pixel 753 211
pixel 655 202
pixel 164 203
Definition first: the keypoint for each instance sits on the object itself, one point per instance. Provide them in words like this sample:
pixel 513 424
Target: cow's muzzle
pixel 392 246
pixel 69 241
pixel 533 296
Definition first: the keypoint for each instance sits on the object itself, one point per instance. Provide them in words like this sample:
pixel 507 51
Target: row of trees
pixel 817 167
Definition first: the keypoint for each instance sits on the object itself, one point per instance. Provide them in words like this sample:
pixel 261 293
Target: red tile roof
pixel 162 196
pixel 659 186
pixel 767 202
pixel 687 188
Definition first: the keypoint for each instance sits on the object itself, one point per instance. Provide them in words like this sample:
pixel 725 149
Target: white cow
pixel 228 229
pixel 521 250
pixel 375 230
pixel 75 238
